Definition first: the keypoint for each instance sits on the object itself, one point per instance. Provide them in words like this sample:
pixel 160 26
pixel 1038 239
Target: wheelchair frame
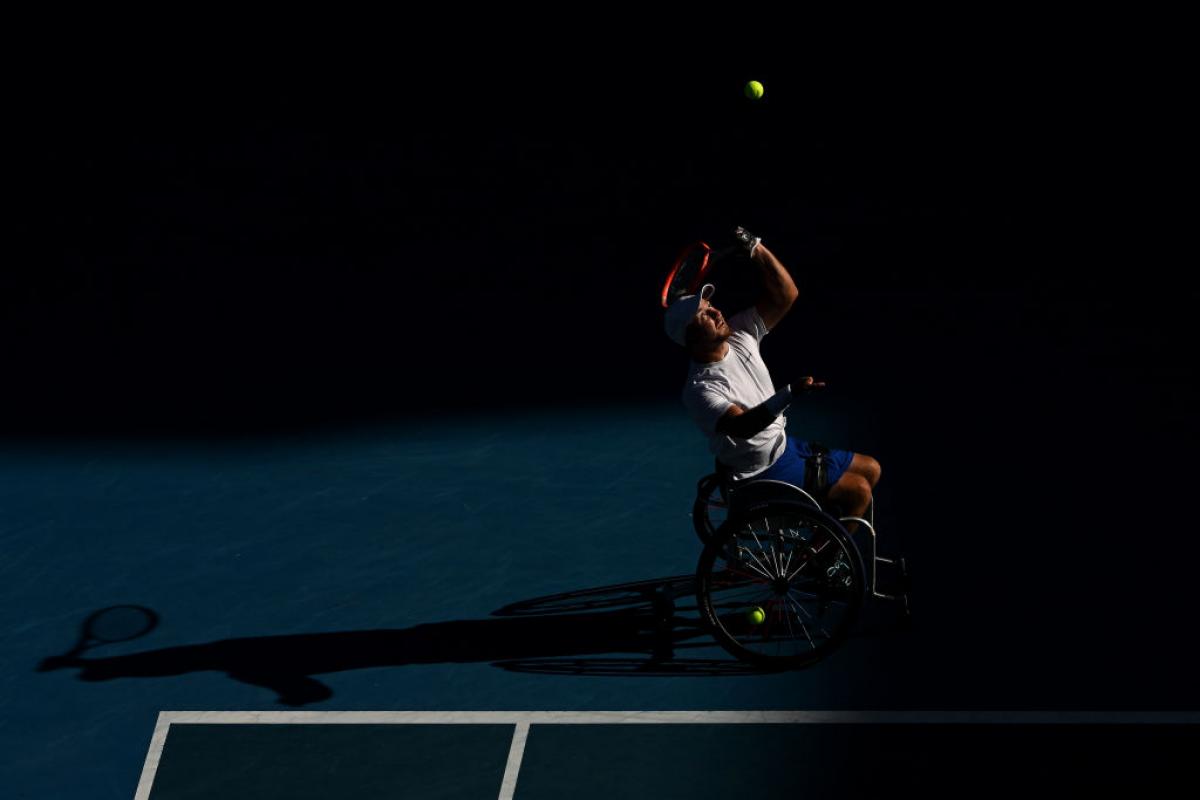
pixel 715 481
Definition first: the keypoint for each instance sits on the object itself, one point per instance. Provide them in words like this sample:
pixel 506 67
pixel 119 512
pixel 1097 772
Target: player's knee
pixel 862 489
pixel 855 487
pixel 873 472
pixel 867 467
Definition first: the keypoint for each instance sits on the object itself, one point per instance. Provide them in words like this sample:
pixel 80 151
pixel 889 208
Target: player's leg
pixel 852 476
pixel 852 493
pixel 866 467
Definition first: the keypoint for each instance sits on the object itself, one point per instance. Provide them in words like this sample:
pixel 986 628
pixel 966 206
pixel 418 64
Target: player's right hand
pixel 806 384
pixel 746 239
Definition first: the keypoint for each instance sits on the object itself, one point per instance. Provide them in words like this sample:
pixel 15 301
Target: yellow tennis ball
pixel 754 90
pixel 756 616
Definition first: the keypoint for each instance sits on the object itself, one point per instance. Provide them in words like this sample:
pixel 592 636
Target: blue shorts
pixel 790 466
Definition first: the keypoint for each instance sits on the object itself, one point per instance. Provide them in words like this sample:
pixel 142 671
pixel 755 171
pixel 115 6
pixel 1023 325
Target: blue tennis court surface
pixel 657 754
pixel 481 568
pixel 313 760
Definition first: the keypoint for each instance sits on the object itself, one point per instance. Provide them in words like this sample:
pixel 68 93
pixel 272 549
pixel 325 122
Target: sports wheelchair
pixel 781 580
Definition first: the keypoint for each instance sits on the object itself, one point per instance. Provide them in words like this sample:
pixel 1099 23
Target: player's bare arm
pixel 779 290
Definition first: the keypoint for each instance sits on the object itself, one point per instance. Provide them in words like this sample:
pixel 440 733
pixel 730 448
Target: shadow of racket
pixel 106 626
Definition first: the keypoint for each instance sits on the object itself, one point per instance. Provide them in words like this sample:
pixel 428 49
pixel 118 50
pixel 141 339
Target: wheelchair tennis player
pixel 730 396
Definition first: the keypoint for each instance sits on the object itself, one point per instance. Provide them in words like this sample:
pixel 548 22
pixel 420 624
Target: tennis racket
pixel 690 269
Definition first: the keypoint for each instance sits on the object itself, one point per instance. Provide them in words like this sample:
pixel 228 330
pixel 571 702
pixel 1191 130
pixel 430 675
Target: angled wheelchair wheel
pixel 781 586
pixel 710 509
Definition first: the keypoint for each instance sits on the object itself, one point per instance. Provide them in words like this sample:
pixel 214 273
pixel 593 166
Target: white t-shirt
pixel 742 378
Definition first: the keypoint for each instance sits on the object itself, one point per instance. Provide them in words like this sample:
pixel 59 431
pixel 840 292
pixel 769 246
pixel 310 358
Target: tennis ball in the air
pixel 754 90
pixel 756 616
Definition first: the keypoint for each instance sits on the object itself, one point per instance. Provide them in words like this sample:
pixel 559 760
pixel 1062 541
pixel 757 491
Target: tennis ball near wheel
pixel 754 90
pixel 756 616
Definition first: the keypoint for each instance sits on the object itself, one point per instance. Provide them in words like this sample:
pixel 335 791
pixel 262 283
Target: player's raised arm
pixel 779 290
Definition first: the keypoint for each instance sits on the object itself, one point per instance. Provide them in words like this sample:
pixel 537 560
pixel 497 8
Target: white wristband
pixel 779 401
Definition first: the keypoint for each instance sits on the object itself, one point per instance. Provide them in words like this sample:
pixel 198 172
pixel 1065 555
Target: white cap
pixel 681 313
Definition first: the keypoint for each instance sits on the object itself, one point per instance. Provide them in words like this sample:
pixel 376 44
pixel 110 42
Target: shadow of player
pixel 644 627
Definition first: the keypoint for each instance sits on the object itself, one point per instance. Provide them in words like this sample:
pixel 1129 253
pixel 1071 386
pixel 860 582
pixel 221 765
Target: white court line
pixel 515 753
pixel 676 717
pixel 150 768
pixel 524 719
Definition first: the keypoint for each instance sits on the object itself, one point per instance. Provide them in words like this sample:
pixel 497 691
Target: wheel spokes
pixel 800 572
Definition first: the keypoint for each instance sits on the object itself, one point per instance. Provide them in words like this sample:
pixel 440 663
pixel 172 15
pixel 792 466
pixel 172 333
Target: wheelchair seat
pixel 751 492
